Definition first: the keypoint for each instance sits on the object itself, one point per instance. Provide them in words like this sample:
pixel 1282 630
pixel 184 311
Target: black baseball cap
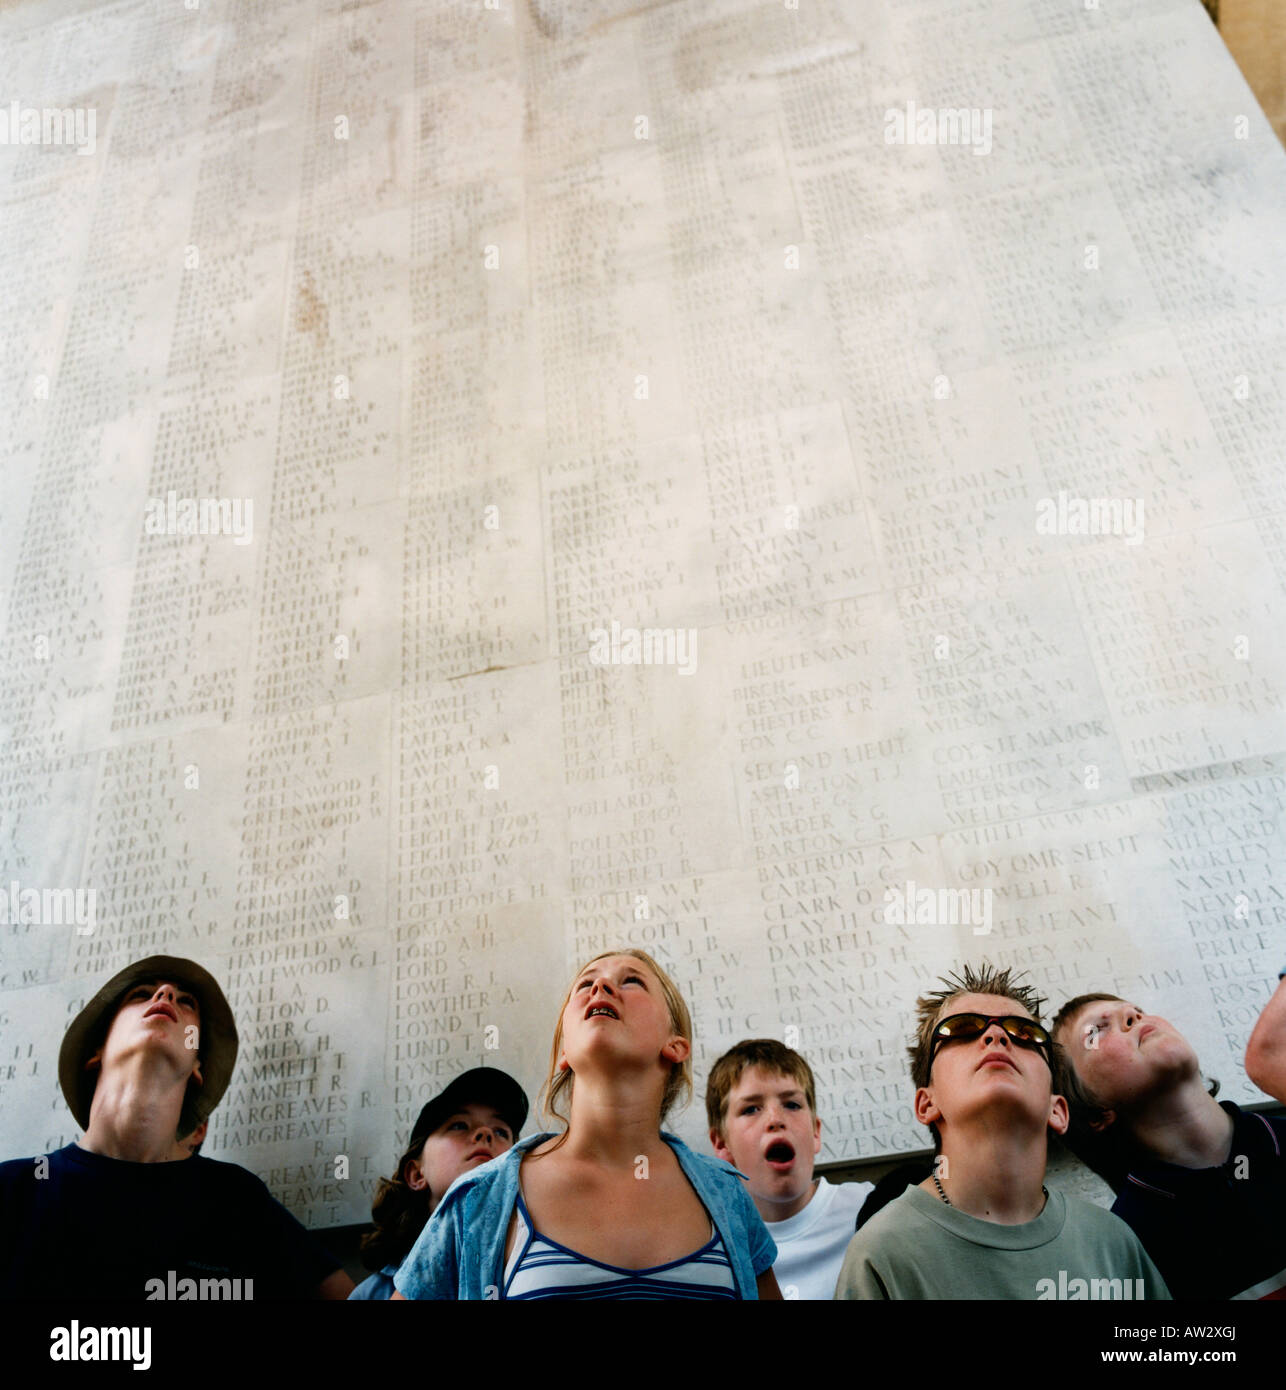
pixel 479 1086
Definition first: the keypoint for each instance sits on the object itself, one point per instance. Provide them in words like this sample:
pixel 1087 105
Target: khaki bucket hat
pixel 218 1038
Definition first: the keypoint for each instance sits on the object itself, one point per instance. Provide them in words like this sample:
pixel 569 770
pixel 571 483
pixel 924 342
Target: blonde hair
pixel 557 1089
pixel 929 1008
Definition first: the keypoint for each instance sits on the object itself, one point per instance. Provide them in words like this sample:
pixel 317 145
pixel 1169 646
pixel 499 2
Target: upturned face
pixel 615 1015
pixel 989 1077
pixel 1123 1055
pixel 155 1017
pixel 466 1139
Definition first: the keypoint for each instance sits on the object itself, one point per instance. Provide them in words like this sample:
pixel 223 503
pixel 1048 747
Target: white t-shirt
pixel 811 1244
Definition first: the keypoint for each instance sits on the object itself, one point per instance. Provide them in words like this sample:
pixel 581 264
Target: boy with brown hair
pixel 1202 1184
pixel 983 1224
pixel 761 1104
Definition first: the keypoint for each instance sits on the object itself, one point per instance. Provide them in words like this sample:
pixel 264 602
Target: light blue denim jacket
pixel 375 1286
pixel 460 1253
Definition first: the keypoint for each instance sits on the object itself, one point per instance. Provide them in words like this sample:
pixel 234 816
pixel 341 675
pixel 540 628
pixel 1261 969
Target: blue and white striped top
pixel 541 1268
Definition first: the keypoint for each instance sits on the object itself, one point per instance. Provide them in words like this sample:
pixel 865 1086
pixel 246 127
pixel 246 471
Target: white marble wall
pixel 497 326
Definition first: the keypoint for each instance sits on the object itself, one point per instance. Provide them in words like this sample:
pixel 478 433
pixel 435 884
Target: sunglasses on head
pixel 966 1027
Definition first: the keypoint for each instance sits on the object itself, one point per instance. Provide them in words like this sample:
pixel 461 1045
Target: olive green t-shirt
pixel 918 1247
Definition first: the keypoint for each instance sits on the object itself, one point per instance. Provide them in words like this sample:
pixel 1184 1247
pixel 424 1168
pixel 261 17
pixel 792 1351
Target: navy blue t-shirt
pixel 97 1227
pixel 1216 1232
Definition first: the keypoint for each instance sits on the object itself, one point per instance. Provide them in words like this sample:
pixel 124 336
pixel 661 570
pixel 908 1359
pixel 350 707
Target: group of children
pixel 613 1206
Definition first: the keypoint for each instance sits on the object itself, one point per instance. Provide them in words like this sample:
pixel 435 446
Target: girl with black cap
pixel 477 1118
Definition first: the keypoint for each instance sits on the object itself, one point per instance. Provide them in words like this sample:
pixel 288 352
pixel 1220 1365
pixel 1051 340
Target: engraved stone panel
pixel 486 485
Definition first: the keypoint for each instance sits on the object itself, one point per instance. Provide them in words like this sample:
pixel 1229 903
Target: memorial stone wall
pixel 795 487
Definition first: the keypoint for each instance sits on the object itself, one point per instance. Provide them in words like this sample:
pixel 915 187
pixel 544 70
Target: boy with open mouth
pixel 761 1104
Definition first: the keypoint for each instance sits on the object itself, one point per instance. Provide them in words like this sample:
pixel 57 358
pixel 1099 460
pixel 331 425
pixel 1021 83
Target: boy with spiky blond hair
pixel 983 1224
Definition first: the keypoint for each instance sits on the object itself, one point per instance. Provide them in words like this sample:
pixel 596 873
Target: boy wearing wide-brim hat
pixel 183 1043
pixel 116 1214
